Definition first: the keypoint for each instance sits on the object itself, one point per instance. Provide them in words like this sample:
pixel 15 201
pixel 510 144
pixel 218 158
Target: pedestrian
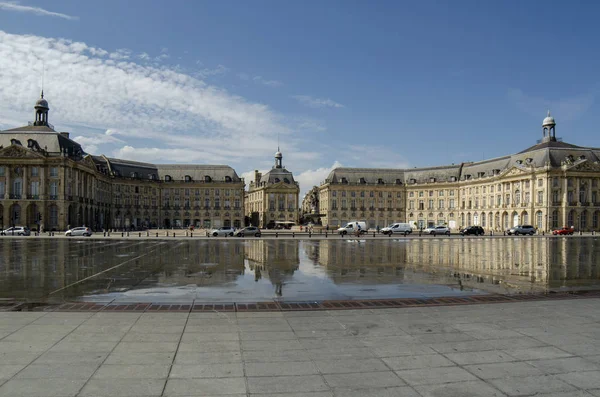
pixel 327 227
pixel 357 230
pixel 377 228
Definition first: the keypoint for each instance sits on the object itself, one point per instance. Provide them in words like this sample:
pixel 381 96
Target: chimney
pixel 65 134
pixel 256 176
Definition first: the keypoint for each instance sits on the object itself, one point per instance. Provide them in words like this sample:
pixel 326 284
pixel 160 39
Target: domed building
pixel 548 185
pixel 272 198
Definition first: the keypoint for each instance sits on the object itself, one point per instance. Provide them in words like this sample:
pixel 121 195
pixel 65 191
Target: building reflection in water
pixel 37 269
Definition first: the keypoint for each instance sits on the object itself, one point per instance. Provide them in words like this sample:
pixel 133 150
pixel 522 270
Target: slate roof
pixel 276 175
pixel 46 138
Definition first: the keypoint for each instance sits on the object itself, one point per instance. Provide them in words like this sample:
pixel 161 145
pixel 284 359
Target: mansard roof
pixel 276 175
pixel 49 142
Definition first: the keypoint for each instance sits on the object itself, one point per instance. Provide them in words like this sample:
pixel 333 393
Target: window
pixel 451 192
pixel 334 204
pixel 371 194
pixel 540 182
pixel 540 197
pixel 54 172
pixel 35 188
pixel 188 178
pixel 34 171
pixel 538 219
pixel 2 190
pixel 440 204
pixel 527 198
pixel 570 198
pixel 411 205
pixel 430 204
pixel 411 194
pixel 2 171
pixel 526 184
pixel 217 192
pixel 54 188
pixel 441 193
pixel 555 182
pixel 431 193
pixel 451 204
pixel 334 193
pixel 353 194
pixel 421 194
pixel 207 178
pixel 343 193
pixel 555 197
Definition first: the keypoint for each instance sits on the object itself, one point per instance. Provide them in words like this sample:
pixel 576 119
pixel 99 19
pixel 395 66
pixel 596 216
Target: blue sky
pixel 341 83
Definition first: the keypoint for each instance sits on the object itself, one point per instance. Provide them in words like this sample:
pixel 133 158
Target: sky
pixel 332 83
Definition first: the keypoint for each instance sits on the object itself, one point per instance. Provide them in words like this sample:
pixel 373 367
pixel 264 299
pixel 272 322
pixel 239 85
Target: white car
pixel 397 228
pixel 437 230
pixel 79 231
pixel 16 231
pixel 223 231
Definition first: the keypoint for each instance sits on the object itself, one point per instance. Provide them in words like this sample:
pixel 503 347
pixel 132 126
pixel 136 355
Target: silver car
pixel 79 231
pixel 521 229
pixel 16 231
pixel 248 231
pixel 223 231
pixel 437 230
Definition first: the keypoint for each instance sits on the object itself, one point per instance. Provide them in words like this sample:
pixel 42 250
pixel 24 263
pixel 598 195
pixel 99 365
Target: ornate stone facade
pixel 272 198
pixel 53 184
pixel 548 185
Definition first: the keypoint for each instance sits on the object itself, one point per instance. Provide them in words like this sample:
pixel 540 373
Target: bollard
pixel 293 234
pixel 373 234
pixel 108 234
pixel 147 234
pixel 309 234
pixel 276 234
pixel 390 234
pixel 167 234
pixel 104 234
pixel 122 234
pixel 593 232
pixel 504 233
pixel 173 234
pixel 191 234
pixel 543 232
pixel 140 234
pixel 156 234
pixel 580 233
pixel 325 234
pixel 419 233
pixel 127 234
pixel 186 233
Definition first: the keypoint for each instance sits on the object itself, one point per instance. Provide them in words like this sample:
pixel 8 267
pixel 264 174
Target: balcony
pixel 14 196
pixel 33 197
pixel 118 206
pixel 70 198
pixel 51 197
pixel 291 209
pixel 344 208
pixel 206 207
pixel 227 207
pixel 572 204
pixel 217 207
pixel 584 204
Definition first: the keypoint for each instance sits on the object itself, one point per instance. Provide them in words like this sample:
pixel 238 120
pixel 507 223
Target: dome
pixel 41 103
pixel 549 120
pixel 278 155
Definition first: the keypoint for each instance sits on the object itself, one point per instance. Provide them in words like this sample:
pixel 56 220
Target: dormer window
pixel 431 180
pixel 496 172
pixel 207 178
pixel 398 182
pixel 362 181
pixel 286 180
pixel 277 180
pixel 133 174
pixel 15 142
pixel 227 178
pixel 168 178
pixel 452 179
pixel 151 177
pixel 480 174
pixel 344 180
pixel 188 178
pixel 380 181
pixel 519 161
pixel 528 160
pixel 582 157
pixel 413 180
pixel 467 177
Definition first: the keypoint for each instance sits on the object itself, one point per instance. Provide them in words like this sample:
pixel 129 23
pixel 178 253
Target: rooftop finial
pixel 42 93
pixel 548 112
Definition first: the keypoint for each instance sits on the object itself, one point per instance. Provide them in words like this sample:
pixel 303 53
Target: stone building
pixel 272 198
pixel 48 181
pixel 548 185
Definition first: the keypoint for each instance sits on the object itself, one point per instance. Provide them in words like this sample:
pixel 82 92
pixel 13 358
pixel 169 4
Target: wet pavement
pixel 546 349
pixel 259 270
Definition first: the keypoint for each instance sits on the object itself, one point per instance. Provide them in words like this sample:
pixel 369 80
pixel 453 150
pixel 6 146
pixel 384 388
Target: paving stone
pixel 402 350
pixel 277 345
pixel 337 353
pixel 64 371
pixel 132 371
pixel 208 358
pixel 8 371
pixel 146 347
pixel 41 387
pixel 364 380
pixel 475 388
pixel 277 356
pixel 83 347
pixel 190 371
pixel 286 384
pixel 502 370
pixel 536 353
pixel 61 358
pixel 351 365
pixel 204 387
pixel 278 335
pixel 140 358
pixel 155 329
pixel 17 358
pixel 281 368
pixel 210 337
pixel 207 347
pixel 582 380
pixel 531 385
pixel 76 336
pixel 488 356
pixel 429 376
pixel 565 365
pixel 403 391
pixel 146 337
pixel 418 361
pixel 123 387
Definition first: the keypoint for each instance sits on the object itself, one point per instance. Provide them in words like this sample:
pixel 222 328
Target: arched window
pixel 595 220
pixel 207 178
pixel 570 218
pixel 286 180
pixel 168 178
pixel 227 178
pixel 188 178
pixel 582 194
pixel 538 219
pixel 555 218
pixel 583 220
pixel 277 180
pixel 517 197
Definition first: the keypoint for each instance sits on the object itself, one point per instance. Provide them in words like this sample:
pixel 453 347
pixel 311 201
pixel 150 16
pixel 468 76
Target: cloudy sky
pixel 335 83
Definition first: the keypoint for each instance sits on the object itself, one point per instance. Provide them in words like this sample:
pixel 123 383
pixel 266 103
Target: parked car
pixel 472 230
pixel 437 230
pixel 223 231
pixel 563 231
pixel 79 231
pixel 248 231
pixel 16 231
pixel 353 227
pixel 521 229
pixel 397 228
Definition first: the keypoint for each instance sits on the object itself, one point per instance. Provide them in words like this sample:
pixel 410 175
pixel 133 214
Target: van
pixel 352 227
pixel 397 228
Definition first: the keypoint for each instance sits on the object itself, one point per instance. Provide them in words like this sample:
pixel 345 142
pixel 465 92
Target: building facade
pixel 47 181
pixel 549 185
pixel 272 198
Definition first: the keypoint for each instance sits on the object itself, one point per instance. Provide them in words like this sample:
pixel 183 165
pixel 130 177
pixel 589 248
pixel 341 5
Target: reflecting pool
pixel 53 270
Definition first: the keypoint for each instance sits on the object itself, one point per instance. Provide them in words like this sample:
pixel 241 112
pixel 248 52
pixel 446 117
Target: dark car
pixel 248 231
pixel 472 230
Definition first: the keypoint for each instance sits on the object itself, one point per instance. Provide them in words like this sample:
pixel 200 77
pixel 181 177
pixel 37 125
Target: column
pixel 25 189
pixel 8 187
pixel 565 202
pixel 42 183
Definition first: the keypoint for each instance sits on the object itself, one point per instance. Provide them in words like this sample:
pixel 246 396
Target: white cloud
pixel 310 177
pixel 15 6
pixel 161 104
pixel 206 72
pixel 311 102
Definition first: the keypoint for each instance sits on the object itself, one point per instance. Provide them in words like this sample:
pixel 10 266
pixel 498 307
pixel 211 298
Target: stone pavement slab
pixel 546 348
